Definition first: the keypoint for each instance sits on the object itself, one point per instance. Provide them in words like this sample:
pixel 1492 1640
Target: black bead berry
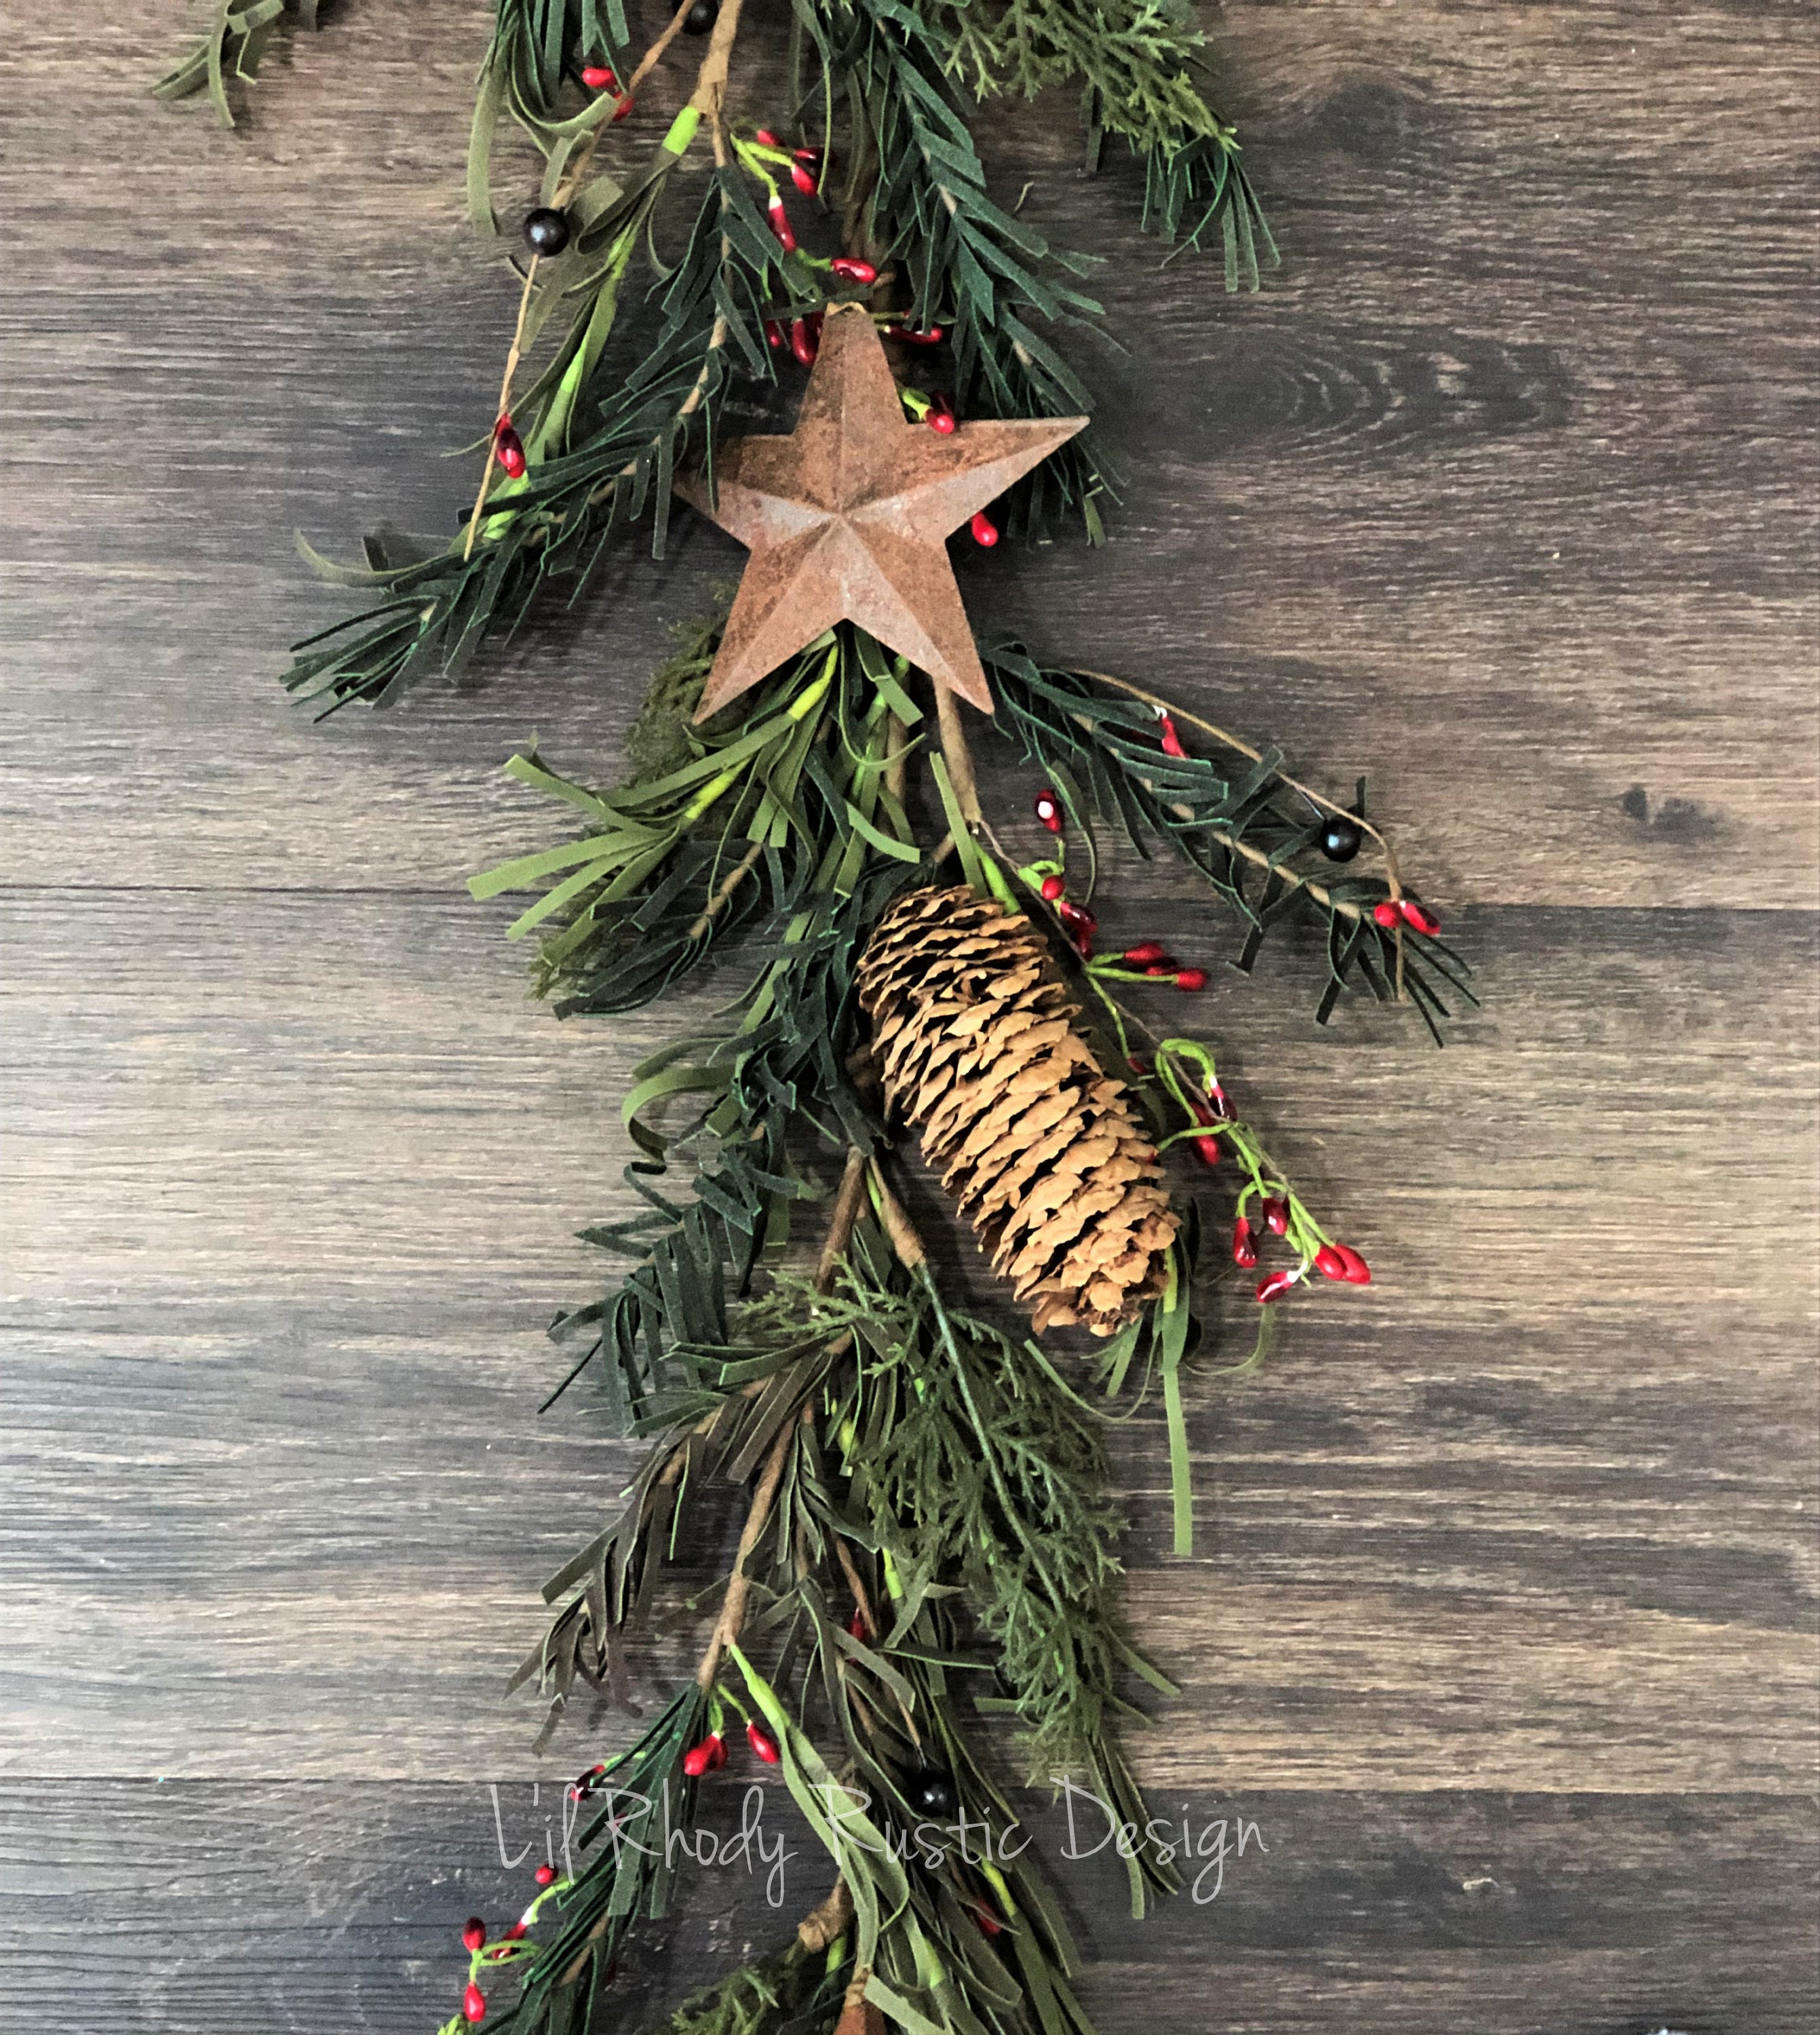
pixel 1341 837
pixel 546 231
pixel 700 17
pixel 932 1794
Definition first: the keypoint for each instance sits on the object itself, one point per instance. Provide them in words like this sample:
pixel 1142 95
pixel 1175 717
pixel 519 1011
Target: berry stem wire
pixel 1317 798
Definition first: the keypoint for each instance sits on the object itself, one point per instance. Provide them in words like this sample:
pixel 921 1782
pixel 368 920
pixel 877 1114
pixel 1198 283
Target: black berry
pixel 546 231
pixel 932 1794
pixel 700 17
pixel 1341 837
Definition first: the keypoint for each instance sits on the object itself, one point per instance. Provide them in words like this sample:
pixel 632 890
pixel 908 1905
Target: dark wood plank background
pixel 1501 1626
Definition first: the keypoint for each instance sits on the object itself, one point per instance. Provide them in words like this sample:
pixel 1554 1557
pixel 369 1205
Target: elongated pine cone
pixel 1041 1147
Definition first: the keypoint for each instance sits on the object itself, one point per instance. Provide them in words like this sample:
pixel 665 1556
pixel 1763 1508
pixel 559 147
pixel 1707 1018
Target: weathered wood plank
pixel 1496 1517
pixel 1501 487
pixel 1500 492
pixel 223 1907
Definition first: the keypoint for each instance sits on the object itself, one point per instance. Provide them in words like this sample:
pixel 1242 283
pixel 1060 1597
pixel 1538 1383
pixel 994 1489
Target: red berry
pixel 939 416
pixel 474 1935
pixel 1137 1063
pixel 1387 915
pixel 1053 887
pixel 517 1930
pixel 1276 1215
pixel 804 179
pixel 769 140
pixel 1171 741
pixel 774 334
pixel 598 78
pixel 989 1924
pixel 509 448
pixel 1244 1243
pixel 474 2003
pixel 1208 1148
pixel 1146 954
pixel 850 270
pixel 802 342
pixel 985 531
pixel 1357 1272
pixel 1421 921
pixel 706 1758
pixel 856 1626
pixel 1161 968
pixel 1219 1109
pixel 1191 978
pixel 931 337
pixel 1329 1262
pixel 780 224
pixel 1049 810
pixel 1076 917
pixel 622 109
pixel 763 1743
pixel 1274 1287
pixel 545 1876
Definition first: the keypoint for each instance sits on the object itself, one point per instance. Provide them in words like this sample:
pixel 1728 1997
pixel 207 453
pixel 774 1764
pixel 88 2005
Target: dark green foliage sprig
pixel 1236 822
pixel 982 1469
pixel 565 1969
pixel 1191 191
pixel 231 47
pixel 552 524
pixel 537 48
pixel 970 269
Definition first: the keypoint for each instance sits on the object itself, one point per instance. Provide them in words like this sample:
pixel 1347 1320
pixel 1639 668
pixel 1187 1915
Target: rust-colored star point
pixel 847 518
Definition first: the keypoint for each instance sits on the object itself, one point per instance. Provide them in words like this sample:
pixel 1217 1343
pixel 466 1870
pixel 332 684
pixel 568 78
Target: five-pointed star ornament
pixel 846 517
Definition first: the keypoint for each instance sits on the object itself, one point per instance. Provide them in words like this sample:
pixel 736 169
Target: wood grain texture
pixel 1501 1621
pixel 308 1903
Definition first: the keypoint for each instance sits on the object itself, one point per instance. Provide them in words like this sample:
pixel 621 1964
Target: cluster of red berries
pixel 474 1940
pixel 1151 957
pixel 1332 1261
pixel 805 167
pixel 1395 911
pixel 710 1755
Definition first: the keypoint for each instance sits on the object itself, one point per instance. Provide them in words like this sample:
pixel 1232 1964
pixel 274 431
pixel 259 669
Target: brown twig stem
pixel 727 1627
pixel 728 884
pixel 958 756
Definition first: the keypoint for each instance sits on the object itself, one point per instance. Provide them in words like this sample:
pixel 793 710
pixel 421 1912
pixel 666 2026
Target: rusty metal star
pixel 845 518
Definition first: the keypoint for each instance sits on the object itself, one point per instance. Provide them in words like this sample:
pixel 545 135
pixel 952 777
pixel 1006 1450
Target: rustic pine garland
pixel 926 1536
